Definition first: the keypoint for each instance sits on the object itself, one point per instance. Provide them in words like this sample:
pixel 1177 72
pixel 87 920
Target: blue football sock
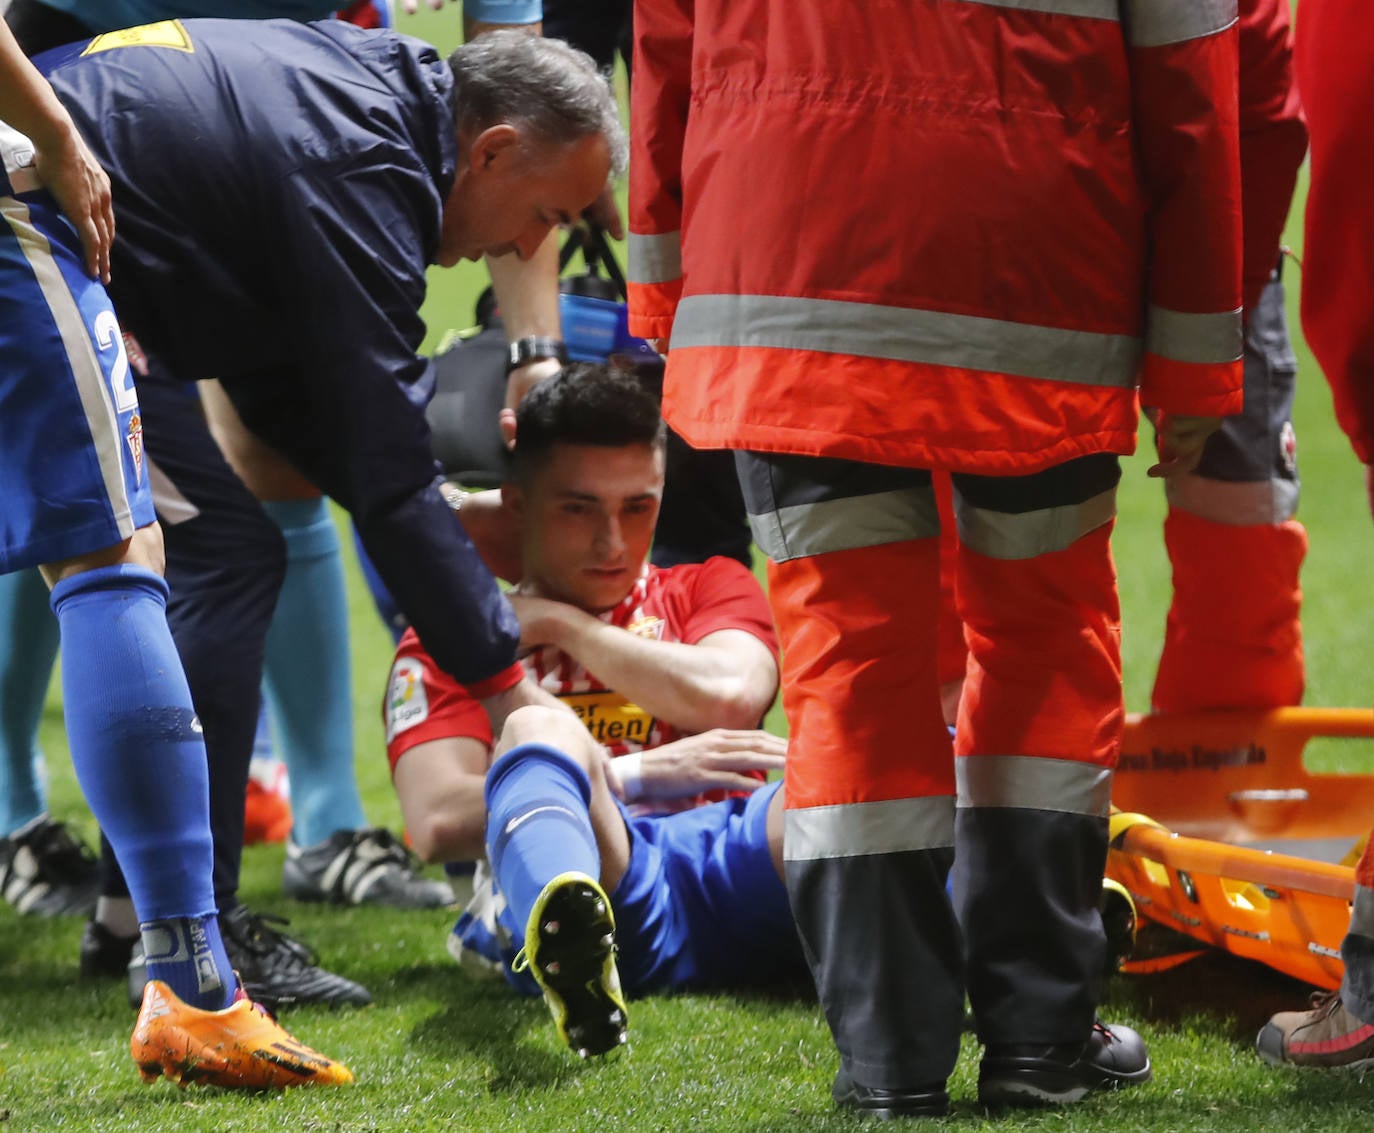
pixel 28 648
pixel 138 753
pixel 538 824
pixel 187 954
pixel 309 678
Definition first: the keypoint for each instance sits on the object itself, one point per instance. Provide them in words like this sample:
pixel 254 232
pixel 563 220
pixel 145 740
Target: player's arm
pixel 718 760
pixel 438 742
pixel 726 680
pixel 63 163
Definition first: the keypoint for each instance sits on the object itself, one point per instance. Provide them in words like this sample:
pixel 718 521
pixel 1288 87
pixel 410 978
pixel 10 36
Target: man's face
pixel 508 194
pixel 587 518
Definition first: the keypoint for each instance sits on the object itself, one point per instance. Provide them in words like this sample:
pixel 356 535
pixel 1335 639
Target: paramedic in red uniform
pixel 958 235
pixel 1335 65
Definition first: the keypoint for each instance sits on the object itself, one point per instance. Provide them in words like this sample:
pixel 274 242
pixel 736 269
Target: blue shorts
pixel 71 438
pixel 700 905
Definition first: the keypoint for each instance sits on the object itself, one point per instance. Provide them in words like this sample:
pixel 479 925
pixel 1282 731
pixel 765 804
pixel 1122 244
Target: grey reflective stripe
pixel 1194 338
pixel 1154 23
pixel 1033 783
pixel 1236 503
pixel 1003 535
pixel 868 330
pixel 655 259
pixel 845 524
pixel 1089 9
pixel 171 506
pixel 1362 915
pixel 852 830
pixel 87 373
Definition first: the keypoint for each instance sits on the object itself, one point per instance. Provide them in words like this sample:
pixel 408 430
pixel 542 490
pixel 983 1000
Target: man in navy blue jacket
pixel 280 191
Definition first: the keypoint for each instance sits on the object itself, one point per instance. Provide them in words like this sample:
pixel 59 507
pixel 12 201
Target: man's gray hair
pixel 553 91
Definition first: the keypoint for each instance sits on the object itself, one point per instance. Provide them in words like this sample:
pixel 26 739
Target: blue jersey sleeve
pixel 504 11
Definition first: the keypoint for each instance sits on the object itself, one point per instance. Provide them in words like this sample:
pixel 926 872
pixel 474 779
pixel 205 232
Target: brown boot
pixel 1328 1035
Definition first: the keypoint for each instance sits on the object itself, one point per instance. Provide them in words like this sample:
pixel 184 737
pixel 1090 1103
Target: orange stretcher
pixel 1238 775
pixel 1211 781
pixel 1289 913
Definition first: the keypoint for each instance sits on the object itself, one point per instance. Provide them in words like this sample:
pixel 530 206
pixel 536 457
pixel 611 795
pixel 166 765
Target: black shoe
pixel 277 971
pixel 46 871
pixel 888 1105
pixel 104 954
pixel 361 867
pixel 274 970
pixel 1014 1075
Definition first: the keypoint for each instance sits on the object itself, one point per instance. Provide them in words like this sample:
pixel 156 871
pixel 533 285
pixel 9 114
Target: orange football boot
pixel 241 1047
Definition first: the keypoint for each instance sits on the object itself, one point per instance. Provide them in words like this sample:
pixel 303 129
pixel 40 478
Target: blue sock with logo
pixel 538 824
pixel 187 954
pixel 139 756
pixel 309 679
pixel 28 648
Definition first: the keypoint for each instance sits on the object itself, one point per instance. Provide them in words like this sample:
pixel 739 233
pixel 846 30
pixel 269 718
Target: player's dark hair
pixel 583 404
pixel 551 90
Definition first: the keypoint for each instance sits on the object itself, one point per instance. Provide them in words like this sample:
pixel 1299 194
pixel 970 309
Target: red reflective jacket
pixel 938 233
pixel 1336 75
pixel 1273 135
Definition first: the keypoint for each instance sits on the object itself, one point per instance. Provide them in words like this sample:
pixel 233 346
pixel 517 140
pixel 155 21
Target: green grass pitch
pixel 439 1051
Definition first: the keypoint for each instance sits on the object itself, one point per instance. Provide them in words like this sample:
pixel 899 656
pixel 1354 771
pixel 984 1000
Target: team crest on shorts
pixel 134 436
pixel 407 704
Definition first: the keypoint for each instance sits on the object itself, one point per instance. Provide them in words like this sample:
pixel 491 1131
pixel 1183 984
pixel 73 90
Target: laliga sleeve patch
pixel 164 33
pixel 407 703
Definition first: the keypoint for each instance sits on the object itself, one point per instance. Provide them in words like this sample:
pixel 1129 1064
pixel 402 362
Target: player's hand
pixel 74 177
pixel 710 761
pixel 1180 440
